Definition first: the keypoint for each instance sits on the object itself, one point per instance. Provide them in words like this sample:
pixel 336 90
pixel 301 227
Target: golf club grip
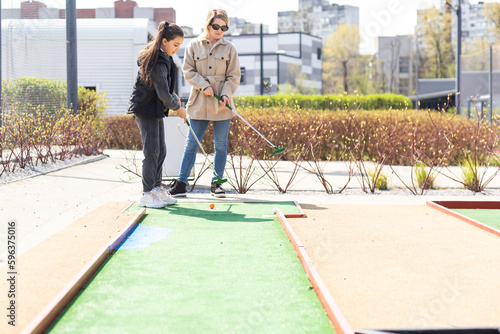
pixel 220 99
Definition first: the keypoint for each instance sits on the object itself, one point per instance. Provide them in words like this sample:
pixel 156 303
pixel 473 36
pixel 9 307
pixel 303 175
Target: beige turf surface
pixel 404 266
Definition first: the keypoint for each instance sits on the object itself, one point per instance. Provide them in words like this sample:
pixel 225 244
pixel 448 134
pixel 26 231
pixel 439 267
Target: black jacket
pixel 155 101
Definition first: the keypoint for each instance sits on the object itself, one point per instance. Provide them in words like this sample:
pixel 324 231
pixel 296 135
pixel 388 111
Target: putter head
pixel 219 180
pixel 278 150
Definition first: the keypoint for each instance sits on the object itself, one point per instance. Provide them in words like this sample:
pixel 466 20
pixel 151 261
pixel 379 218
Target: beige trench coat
pixel 214 65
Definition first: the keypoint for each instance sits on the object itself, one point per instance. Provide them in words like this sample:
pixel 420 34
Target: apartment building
pixel 317 17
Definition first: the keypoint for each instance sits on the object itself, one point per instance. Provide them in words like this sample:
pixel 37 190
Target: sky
pixel 377 17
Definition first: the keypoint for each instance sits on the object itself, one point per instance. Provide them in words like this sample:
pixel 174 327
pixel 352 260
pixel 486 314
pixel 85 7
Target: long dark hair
pixel 148 57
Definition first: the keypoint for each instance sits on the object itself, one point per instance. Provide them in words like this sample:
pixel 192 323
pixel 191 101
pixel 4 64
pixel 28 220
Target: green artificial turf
pixel 490 217
pixel 230 269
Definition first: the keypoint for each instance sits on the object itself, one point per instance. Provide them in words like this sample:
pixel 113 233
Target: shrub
pixel 379 181
pixel 470 175
pixel 122 133
pixel 326 102
pixel 425 180
pixel 29 94
pixel 434 133
pixel 91 101
pixel 423 136
pixel 26 94
pixel 41 137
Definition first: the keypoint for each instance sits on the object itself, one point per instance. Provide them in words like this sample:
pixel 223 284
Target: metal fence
pixel 480 91
pixel 32 70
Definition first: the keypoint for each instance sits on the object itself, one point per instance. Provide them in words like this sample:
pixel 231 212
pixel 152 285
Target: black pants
pixel 154 149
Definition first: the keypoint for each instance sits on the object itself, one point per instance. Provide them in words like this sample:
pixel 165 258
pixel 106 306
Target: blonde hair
pixel 215 14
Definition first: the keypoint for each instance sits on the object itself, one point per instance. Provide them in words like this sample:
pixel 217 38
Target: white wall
pixel 105 13
pixel 107 53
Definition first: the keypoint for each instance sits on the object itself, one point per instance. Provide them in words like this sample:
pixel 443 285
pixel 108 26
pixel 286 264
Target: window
pixel 404 64
pixel 319 53
pixel 243 79
pixel 92 88
pixel 404 85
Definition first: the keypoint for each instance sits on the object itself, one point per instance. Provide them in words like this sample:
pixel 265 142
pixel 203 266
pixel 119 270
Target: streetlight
pixel 458 10
pixel 1 106
pixel 71 56
pixel 490 114
pixel 261 59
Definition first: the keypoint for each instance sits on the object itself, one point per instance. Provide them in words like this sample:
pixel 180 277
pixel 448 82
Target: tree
pixel 362 75
pixel 492 12
pixel 438 60
pixel 476 55
pixel 339 53
pixel 395 49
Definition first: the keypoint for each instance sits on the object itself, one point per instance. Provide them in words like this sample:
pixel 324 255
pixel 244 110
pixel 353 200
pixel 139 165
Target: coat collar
pixel 222 40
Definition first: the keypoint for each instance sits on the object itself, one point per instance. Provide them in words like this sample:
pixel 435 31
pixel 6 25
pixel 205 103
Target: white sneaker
pixel 151 200
pixel 163 194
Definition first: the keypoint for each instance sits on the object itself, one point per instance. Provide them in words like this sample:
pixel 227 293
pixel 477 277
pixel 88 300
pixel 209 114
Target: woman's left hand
pixel 225 100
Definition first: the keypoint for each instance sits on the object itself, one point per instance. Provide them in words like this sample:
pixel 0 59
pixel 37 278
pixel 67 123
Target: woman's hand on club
pixel 225 100
pixel 208 91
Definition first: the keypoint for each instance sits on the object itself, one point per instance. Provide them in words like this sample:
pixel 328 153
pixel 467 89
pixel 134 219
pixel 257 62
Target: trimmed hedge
pixel 122 133
pixel 407 132
pixel 326 102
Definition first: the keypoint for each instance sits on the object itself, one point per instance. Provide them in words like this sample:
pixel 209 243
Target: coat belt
pixel 215 78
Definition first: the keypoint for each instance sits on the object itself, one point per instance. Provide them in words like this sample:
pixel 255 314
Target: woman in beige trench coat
pixel 211 66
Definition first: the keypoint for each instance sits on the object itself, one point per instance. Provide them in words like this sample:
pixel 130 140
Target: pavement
pixel 46 204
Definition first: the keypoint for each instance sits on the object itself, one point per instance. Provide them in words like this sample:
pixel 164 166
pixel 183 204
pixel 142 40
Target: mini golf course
pixel 188 268
pixel 237 268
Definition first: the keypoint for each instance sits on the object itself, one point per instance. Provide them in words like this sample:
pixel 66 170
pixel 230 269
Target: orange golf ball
pixel 211 206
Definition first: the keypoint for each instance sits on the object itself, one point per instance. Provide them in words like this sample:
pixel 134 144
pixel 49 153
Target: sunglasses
pixel 215 26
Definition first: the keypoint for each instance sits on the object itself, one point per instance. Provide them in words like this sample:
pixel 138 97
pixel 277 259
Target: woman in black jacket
pixel 151 99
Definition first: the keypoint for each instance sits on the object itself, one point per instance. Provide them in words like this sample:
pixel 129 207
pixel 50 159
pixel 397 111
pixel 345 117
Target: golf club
pixel 277 150
pixel 219 179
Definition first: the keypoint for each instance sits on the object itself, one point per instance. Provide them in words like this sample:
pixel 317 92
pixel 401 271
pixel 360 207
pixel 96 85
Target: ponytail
pixel 148 57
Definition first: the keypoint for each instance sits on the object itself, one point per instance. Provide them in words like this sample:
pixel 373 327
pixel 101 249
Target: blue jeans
pixel 155 150
pixel 221 132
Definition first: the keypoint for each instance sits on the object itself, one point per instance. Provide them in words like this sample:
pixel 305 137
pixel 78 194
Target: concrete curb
pixel 85 161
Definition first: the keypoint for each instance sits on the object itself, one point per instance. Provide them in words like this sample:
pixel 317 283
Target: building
pixel 238 26
pixel 107 53
pixel 440 93
pixel 122 9
pixel 394 58
pixel 285 55
pixel 188 31
pixel 108 49
pixel 475 25
pixel 317 17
